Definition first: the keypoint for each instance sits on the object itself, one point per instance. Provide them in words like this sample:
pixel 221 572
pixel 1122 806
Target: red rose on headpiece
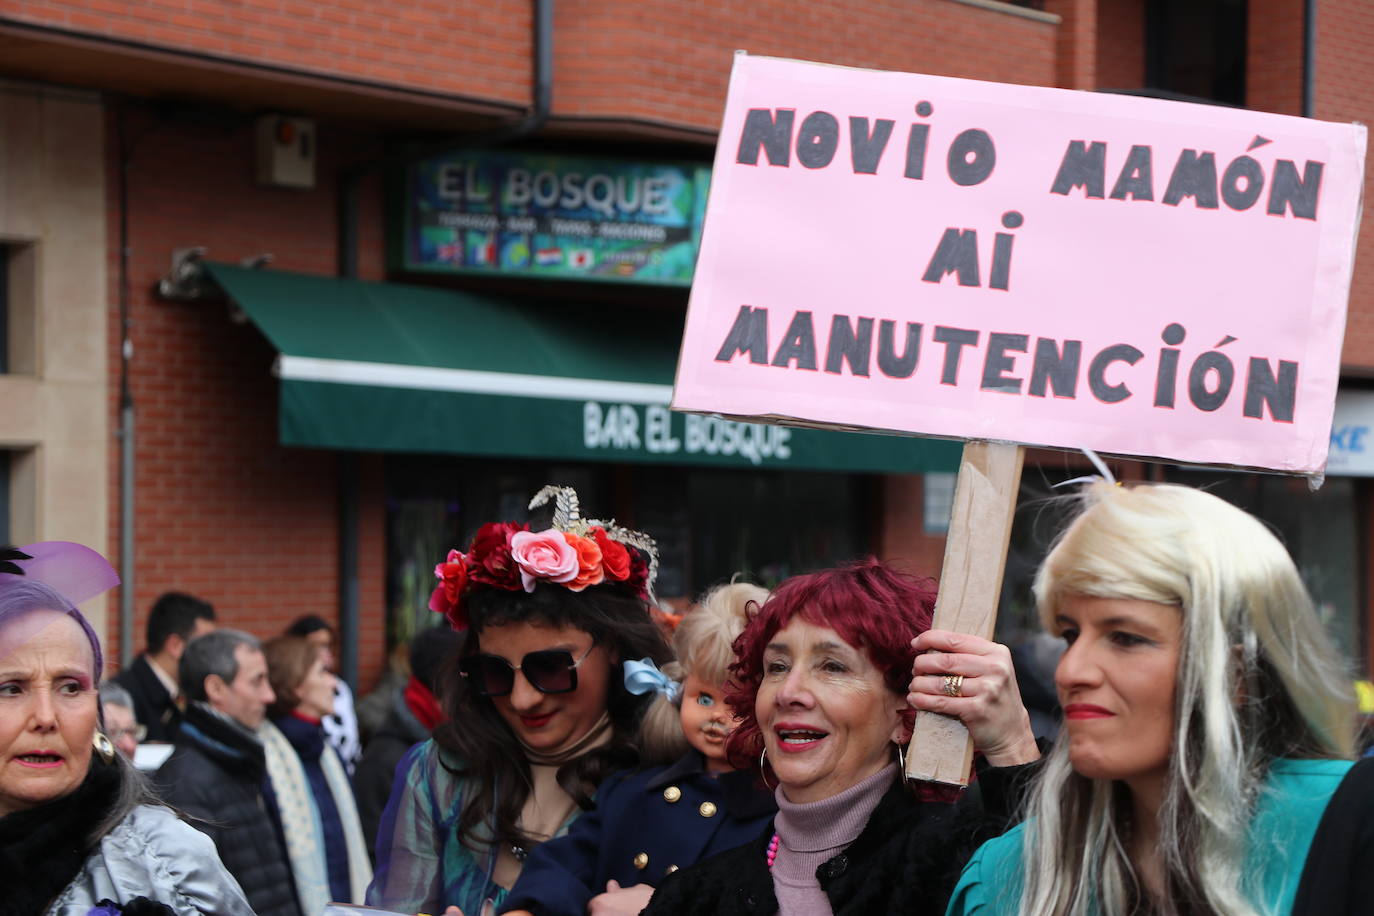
pixel 639 571
pixel 448 596
pixel 589 571
pixel 489 559
pixel 615 559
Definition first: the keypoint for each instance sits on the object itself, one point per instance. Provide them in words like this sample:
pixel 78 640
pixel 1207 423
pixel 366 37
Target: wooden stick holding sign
pixel 941 749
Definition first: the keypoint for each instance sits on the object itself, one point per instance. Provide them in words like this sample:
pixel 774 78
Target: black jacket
pixel 1338 876
pixel 154 707
pixel 215 778
pixel 907 859
pixel 377 769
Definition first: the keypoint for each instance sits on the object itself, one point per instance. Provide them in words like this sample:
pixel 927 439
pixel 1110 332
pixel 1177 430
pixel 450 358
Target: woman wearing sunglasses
pixel 537 714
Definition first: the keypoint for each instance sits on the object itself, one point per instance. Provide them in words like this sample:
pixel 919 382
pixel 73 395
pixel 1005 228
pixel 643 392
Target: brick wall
pixel 672 64
pixel 459 47
pixel 1075 43
pixel 1273 65
pixel 667 62
pixel 902 537
pixel 222 509
pixel 1345 92
pixel 1121 44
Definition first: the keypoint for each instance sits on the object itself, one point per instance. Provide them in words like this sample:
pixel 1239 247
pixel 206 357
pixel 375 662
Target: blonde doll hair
pixel 704 646
pixel 1257 679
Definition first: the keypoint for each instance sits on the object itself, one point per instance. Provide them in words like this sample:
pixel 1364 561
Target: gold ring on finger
pixel 954 685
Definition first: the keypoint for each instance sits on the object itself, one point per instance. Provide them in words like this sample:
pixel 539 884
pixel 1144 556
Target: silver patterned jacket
pixel 153 854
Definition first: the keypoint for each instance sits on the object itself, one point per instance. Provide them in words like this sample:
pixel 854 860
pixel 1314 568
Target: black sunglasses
pixel 548 671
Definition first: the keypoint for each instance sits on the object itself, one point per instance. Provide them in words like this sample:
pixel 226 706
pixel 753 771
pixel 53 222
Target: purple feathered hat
pixel 72 572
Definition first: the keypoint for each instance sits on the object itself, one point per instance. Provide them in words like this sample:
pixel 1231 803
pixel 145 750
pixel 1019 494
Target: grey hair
pixel 1257 679
pixel 134 790
pixel 213 653
pixel 114 695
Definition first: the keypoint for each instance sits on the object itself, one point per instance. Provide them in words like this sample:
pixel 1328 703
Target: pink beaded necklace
pixel 772 850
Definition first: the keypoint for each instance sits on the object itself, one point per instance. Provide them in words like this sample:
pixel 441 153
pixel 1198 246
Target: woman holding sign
pixel 822 678
pixel 1208 724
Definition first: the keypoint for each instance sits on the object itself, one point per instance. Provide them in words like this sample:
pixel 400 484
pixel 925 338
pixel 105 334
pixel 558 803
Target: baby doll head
pixel 696 716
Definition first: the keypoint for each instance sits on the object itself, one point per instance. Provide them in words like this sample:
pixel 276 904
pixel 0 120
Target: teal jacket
pixel 1291 805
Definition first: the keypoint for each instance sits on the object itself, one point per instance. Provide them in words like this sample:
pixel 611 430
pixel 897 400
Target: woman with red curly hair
pixel 828 676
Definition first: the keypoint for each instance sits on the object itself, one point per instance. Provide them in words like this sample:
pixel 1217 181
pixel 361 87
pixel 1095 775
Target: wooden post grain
pixel 970 584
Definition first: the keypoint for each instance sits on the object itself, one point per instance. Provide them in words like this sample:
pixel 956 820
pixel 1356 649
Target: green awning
pixel 394 368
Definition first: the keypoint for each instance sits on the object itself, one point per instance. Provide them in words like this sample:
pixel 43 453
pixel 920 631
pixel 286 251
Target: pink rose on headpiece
pixel 589 571
pixel 543 555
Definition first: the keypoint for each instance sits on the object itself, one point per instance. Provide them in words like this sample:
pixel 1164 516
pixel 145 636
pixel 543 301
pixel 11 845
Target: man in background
pixel 175 620
pixel 121 726
pixel 217 770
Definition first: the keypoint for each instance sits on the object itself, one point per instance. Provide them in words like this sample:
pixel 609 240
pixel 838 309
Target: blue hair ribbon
pixel 643 676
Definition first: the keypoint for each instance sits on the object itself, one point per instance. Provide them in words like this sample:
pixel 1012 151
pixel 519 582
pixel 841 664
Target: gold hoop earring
pixel 901 759
pixel 103 747
pixel 763 762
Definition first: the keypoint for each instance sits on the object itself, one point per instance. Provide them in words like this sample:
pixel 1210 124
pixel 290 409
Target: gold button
pixel 672 794
pixel 641 860
pixel 707 809
pixel 670 869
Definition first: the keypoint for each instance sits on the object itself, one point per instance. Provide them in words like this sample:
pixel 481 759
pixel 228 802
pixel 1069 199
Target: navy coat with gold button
pixel 645 825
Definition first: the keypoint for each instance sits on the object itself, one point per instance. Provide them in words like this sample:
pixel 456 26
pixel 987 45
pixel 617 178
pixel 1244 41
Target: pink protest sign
pixel 974 260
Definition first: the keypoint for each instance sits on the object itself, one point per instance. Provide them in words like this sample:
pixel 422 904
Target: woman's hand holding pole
pixel 972 679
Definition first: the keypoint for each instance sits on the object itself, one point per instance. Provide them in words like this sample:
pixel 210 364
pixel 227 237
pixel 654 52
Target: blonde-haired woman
pixel 1208 724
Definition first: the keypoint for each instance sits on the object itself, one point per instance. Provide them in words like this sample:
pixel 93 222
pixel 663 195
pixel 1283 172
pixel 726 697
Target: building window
pixel 5 526
pixel 4 309
pixel 18 309
pixel 1195 49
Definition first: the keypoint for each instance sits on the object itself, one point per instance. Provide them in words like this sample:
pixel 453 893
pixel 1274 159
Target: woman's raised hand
pixel 972 679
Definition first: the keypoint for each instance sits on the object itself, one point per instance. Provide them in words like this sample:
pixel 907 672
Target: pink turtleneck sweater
pixel 809 834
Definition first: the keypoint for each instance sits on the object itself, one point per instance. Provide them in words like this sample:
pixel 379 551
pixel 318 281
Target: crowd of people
pixel 558 749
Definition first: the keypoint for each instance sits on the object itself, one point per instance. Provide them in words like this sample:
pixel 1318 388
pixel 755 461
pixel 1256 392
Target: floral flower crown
pixel 575 553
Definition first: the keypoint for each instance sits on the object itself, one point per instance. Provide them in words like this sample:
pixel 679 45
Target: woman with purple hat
pixel 77 821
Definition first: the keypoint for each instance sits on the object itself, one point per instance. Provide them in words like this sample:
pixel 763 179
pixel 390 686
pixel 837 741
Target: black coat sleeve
pixel 1338 876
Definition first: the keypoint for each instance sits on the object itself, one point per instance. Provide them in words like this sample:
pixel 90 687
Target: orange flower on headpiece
pixel 589 570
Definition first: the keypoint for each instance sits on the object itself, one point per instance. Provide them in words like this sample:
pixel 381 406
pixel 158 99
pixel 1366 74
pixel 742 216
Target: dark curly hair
pixel 871 606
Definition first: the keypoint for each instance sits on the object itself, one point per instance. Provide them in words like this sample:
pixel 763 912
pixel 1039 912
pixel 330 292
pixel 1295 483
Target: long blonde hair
pixel 1257 679
pixel 704 646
